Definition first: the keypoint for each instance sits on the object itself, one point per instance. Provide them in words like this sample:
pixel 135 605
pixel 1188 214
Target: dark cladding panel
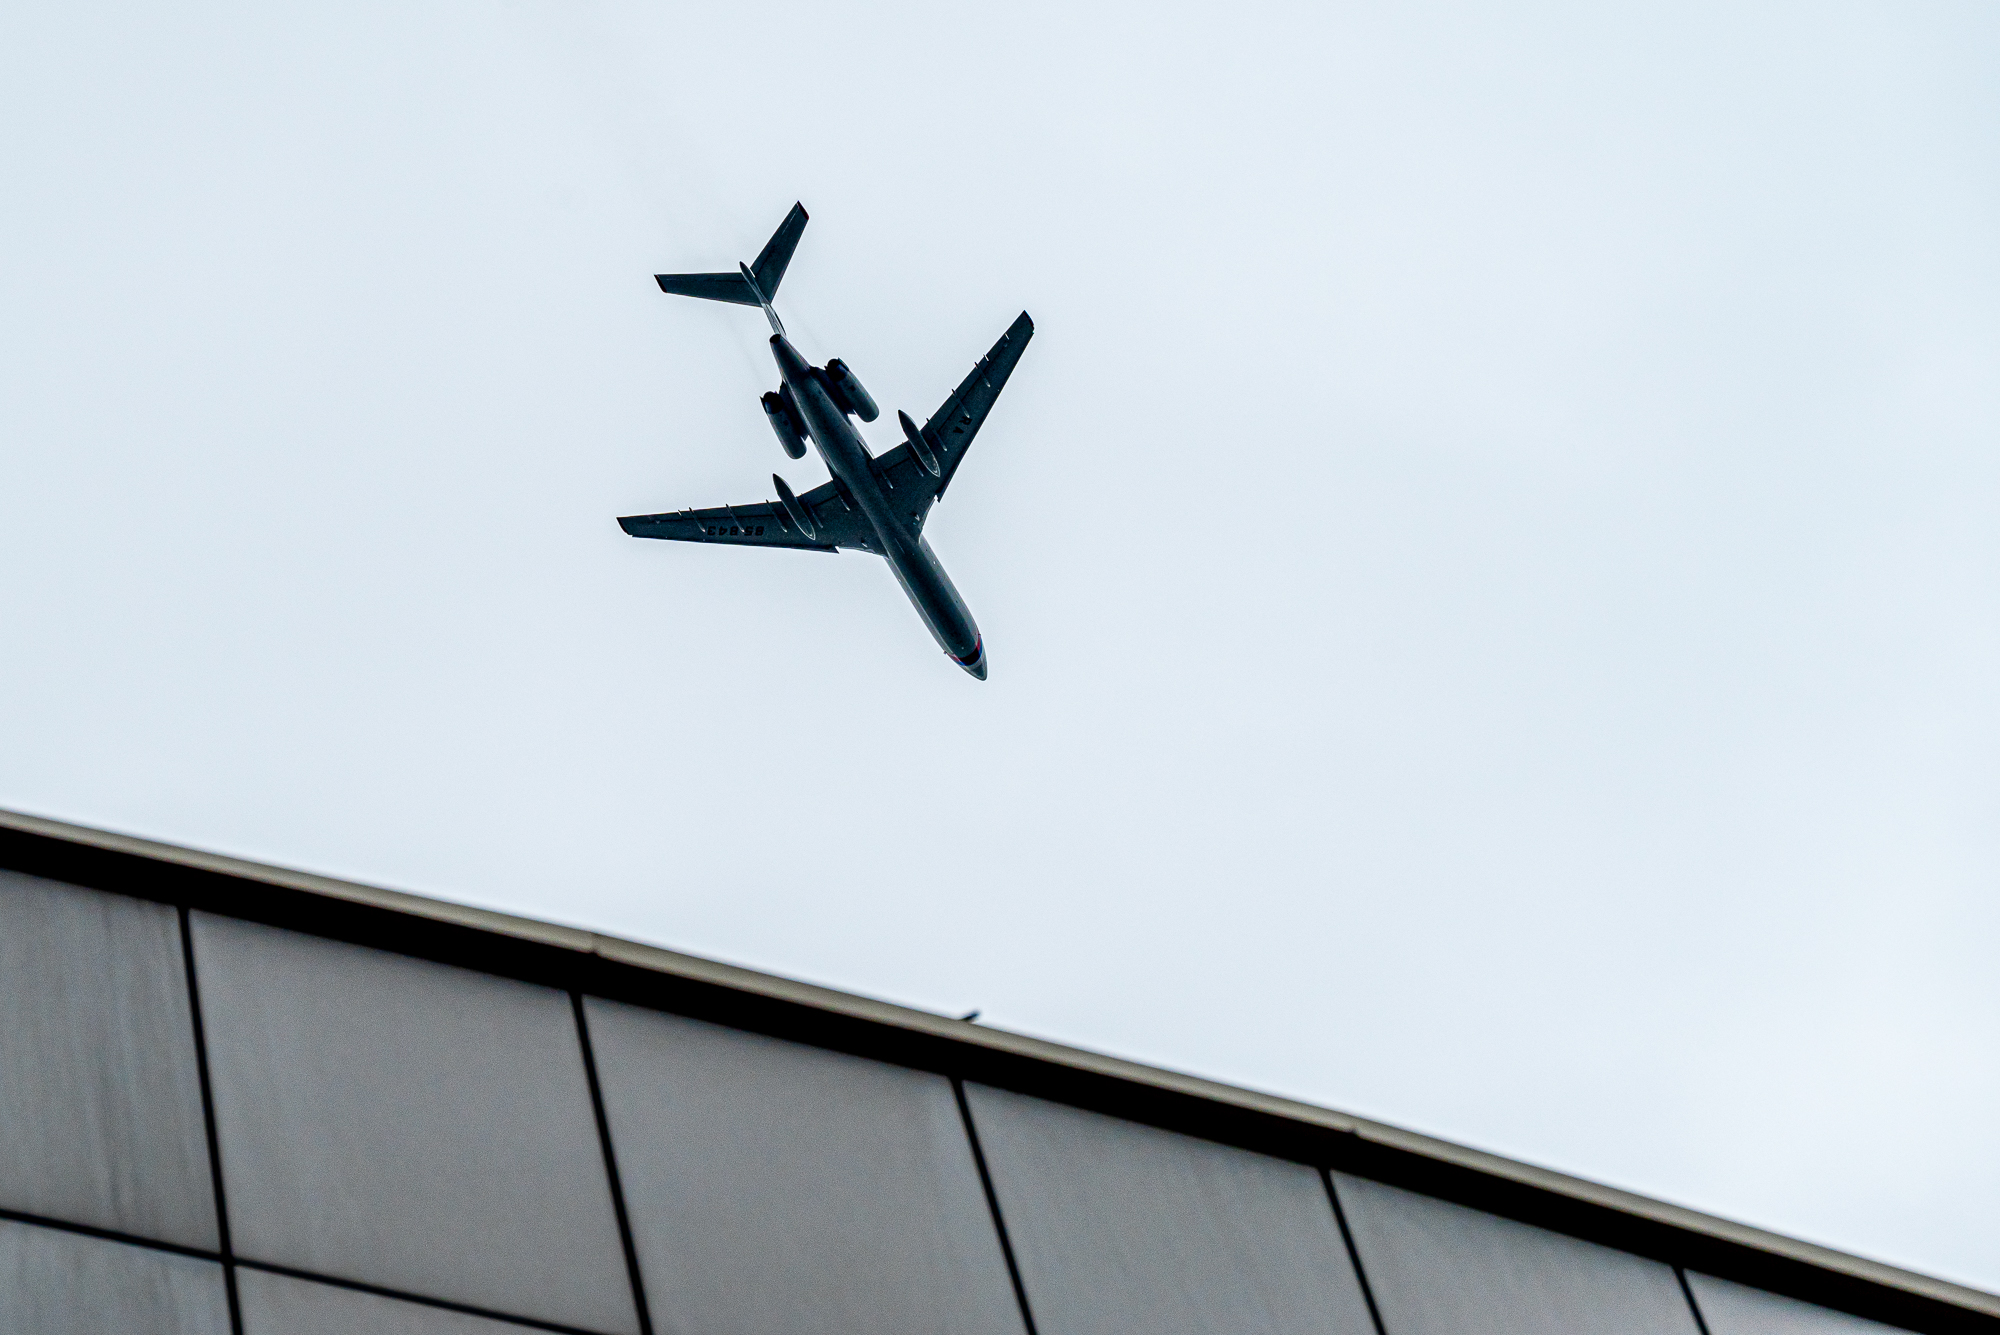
pixel 1443 1269
pixel 1121 1228
pixel 100 1094
pixel 776 1189
pixel 1736 1309
pixel 408 1124
pixel 281 1305
pixel 56 1283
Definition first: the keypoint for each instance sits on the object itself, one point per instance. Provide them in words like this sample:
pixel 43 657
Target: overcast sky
pixel 1489 563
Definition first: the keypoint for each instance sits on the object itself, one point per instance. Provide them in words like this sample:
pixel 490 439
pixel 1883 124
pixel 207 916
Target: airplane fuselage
pixel 899 538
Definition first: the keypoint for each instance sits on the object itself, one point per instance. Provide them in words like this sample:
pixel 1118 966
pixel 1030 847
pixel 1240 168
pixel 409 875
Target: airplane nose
pixel 975 662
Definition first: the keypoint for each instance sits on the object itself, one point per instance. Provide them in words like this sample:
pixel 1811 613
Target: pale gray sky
pixel 1489 564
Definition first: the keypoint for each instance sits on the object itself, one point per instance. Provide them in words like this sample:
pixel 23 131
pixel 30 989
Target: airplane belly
pixel 936 599
pixel 847 459
pixel 917 569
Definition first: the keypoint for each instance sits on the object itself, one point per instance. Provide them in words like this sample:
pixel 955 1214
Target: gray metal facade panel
pixel 100 1094
pixel 409 1125
pixel 1119 1228
pixel 57 1283
pixel 565 957
pixel 778 1189
pixel 1443 1269
pixel 281 1305
pixel 1736 1309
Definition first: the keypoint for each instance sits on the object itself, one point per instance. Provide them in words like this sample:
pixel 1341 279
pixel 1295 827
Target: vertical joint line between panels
pixel 1354 1254
pixel 625 1237
pixel 1687 1291
pixel 993 1204
pixel 222 1240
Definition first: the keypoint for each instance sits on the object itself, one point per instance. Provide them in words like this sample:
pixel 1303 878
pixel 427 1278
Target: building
pixel 235 1098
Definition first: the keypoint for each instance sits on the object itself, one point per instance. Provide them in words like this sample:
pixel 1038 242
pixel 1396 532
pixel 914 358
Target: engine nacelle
pixel 917 445
pixel 801 518
pixel 785 422
pixel 848 395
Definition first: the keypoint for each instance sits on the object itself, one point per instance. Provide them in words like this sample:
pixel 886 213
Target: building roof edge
pixel 871 1010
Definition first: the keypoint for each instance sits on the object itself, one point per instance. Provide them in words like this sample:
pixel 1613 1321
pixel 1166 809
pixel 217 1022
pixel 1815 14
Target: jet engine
pixel 848 395
pixel 785 421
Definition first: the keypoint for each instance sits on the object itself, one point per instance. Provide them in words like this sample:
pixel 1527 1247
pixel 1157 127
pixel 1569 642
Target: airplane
pixel 873 503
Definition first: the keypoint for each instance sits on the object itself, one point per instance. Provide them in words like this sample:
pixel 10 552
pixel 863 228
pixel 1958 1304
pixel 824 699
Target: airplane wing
pixel 835 524
pixel 951 428
pixel 908 484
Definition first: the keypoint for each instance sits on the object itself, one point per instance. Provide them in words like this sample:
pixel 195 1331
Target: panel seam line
pixel 404 1295
pixel 224 1247
pixel 1354 1254
pixel 109 1235
pixel 993 1204
pixel 625 1238
pixel 1687 1291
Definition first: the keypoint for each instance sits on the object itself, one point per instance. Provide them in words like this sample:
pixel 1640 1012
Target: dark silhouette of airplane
pixel 873 504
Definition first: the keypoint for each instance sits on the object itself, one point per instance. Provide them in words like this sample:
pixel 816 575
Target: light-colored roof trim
pixel 695 968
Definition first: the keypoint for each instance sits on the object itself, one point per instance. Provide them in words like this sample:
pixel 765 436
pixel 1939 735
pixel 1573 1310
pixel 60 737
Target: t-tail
pixel 752 284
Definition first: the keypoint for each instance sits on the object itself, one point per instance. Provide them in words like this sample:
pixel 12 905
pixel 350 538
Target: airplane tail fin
pixel 754 284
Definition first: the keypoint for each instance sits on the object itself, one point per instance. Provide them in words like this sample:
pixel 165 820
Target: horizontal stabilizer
pixel 769 270
pixel 709 286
